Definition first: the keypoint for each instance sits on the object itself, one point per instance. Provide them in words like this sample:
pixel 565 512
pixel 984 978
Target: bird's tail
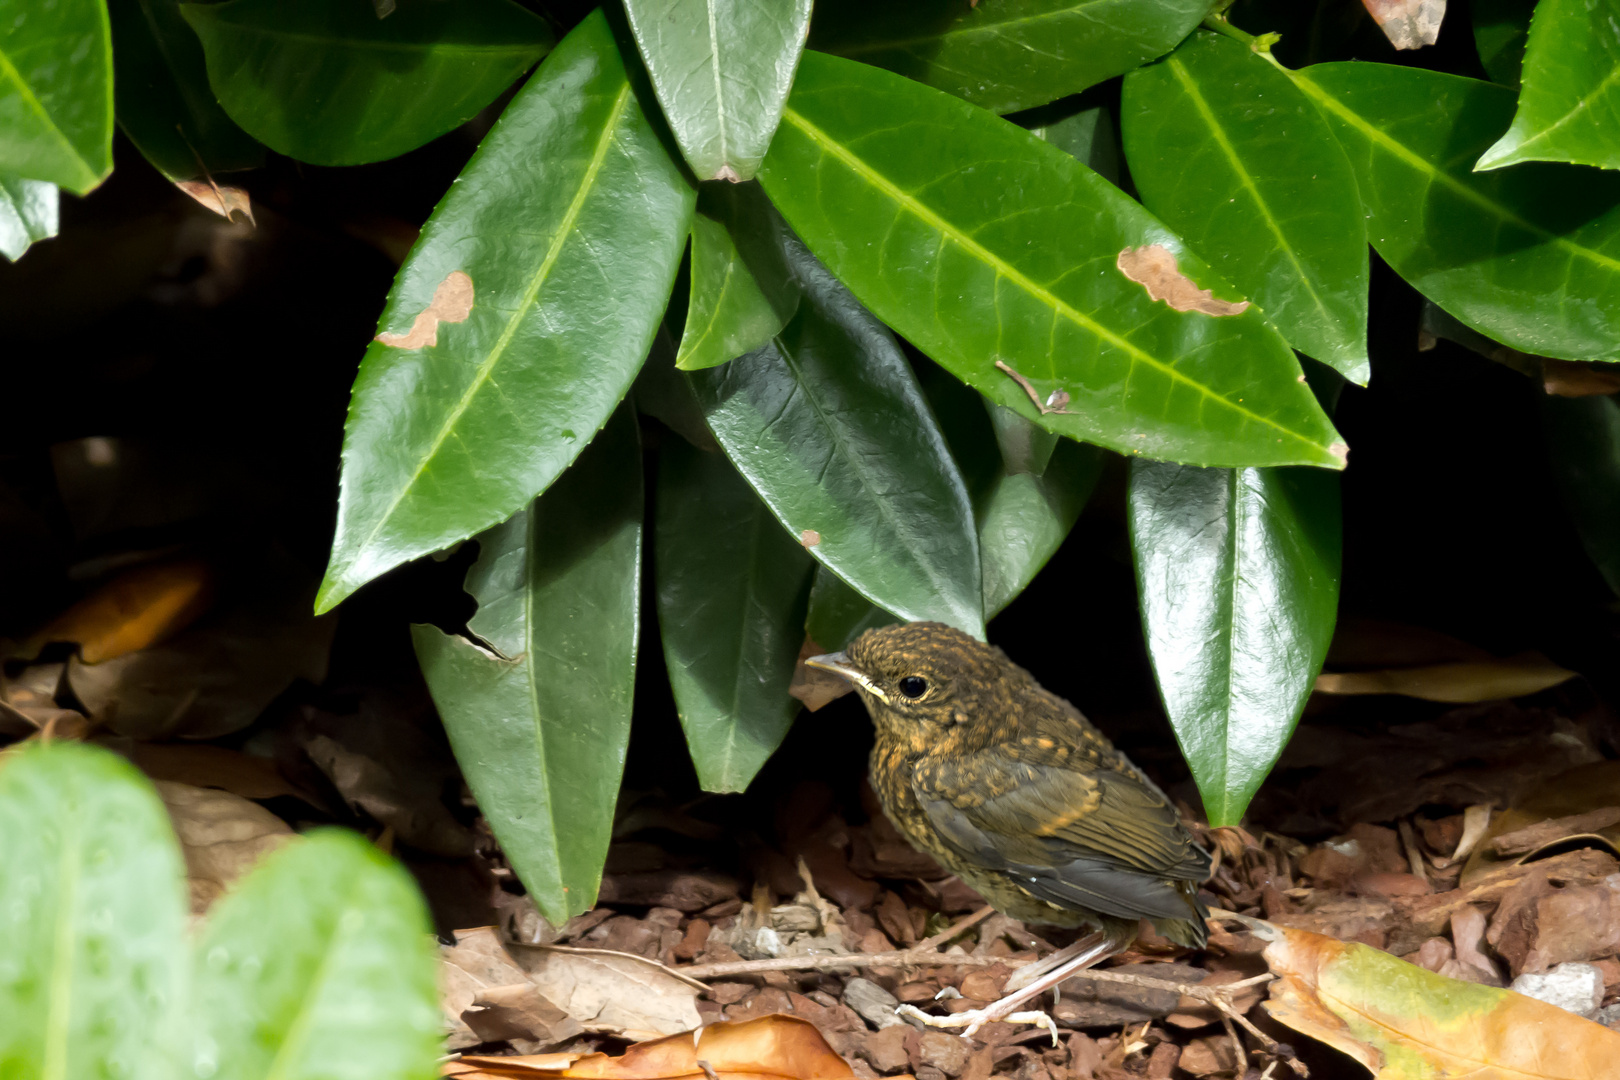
pixel 1190 932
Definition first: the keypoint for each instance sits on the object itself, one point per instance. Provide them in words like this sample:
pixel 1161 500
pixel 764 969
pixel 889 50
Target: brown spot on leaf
pixel 452 303
pixel 223 201
pixel 1153 266
pixel 809 538
pixel 1409 24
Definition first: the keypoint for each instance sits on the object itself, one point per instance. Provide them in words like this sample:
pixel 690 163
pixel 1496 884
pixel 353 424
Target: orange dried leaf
pixel 768 1047
pixel 135 610
pixel 223 201
pixel 1459 683
pixel 1409 24
pixel 1405 1023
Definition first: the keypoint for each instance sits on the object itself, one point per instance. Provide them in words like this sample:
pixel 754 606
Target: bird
pixel 1011 788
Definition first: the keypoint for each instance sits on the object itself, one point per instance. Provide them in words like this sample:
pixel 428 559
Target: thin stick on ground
pixel 830 961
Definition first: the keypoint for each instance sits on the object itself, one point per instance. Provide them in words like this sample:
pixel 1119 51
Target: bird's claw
pixel 973 1019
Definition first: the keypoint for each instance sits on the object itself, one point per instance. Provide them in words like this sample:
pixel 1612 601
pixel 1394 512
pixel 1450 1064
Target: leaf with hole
pixel 56 92
pixel 92 918
pixel 1529 256
pixel 721 69
pixel 568 225
pixel 539 719
pixel 1225 149
pixel 1008 55
pixel 1033 308
pixel 1569 95
pixel 732 588
pixel 1238 575
pixel 331 84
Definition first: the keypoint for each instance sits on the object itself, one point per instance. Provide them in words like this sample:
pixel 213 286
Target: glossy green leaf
pixel 56 92
pixel 1089 136
pixel 829 427
pixel 326 81
pixel 1025 519
pixel 1569 103
pixel 318 963
pixel 1010 54
pixel 732 588
pixel 569 222
pixel 1225 149
pixel 1529 256
pixel 1501 28
pixel 721 69
pixel 1238 573
pixel 92 919
pixel 540 718
pixel 165 104
pixel 663 393
pixel 867 168
pixel 1025 446
pixel 730 311
pixel 1583 442
pixel 837 614
pixel 27 213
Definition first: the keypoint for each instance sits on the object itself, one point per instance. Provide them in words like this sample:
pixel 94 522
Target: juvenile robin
pixel 1010 787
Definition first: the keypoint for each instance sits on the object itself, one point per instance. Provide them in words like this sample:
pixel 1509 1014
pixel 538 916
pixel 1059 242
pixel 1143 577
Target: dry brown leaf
pixel 1409 24
pixel 222 836
pixel 452 303
pixel 770 1046
pixel 475 963
pixel 612 993
pixel 137 609
pixel 1528 839
pixel 519 1014
pixel 222 200
pixel 1153 266
pixel 1568 378
pixel 1405 1023
pixel 208 766
pixel 813 686
pixel 1459 683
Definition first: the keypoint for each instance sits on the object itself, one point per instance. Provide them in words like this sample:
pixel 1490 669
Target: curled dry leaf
pixel 452 303
pixel 1569 378
pixel 223 201
pixel 612 993
pixel 1409 24
pixel 813 686
pixel 1460 683
pixel 222 836
pixel 476 963
pixel 1153 266
pixel 139 608
pixel 1405 1023
pixel 770 1046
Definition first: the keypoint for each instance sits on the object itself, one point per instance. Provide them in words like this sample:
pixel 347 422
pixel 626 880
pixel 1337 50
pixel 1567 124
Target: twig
pixel 1215 995
pixel 708 1070
pixel 1058 402
pixel 824 961
pixel 1241 1065
pixel 967 922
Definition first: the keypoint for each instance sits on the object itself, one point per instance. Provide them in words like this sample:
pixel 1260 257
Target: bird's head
pixel 922 677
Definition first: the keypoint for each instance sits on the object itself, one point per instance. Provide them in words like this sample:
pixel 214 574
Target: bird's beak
pixel 840 664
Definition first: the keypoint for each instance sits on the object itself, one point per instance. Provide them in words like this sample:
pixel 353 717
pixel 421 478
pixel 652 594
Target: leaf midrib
pixel 1579 108
pixel 531 538
pixel 985 26
pixel 9 73
pixel 1378 137
pixel 1040 294
pixel 364 45
pixel 565 231
pixel 53 1063
pixel 289 1053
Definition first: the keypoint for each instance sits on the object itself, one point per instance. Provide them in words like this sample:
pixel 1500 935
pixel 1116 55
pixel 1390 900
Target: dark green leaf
pixel 1529 256
pixel 56 88
pixel 732 587
pixel 1569 105
pixel 1025 447
pixel 27 213
pixel 664 393
pixel 1009 54
pixel 92 919
pixel 569 222
pixel 1583 439
pixel 838 614
pixel 828 425
pixel 867 168
pixel 165 104
pixel 319 963
pixel 326 81
pixel 729 312
pixel 1501 28
pixel 1088 136
pixel 1026 518
pixel 540 719
pixel 721 69
pixel 1226 150
pixel 1238 571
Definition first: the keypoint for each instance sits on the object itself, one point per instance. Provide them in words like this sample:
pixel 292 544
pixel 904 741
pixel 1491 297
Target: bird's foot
pixel 974 1019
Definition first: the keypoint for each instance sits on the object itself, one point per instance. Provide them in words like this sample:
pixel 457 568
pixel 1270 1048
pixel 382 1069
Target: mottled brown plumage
pixel 1011 787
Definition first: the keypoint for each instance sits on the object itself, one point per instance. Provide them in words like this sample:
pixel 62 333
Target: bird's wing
pixel 1096 838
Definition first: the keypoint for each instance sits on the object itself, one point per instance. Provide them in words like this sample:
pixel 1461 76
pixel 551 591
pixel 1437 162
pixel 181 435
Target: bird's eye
pixel 914 686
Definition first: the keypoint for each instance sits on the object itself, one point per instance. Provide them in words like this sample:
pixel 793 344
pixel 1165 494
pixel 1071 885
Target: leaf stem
pixel 1260 44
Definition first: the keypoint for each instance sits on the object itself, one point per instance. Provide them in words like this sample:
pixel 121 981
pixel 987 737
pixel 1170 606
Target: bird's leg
pixel 1082 954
